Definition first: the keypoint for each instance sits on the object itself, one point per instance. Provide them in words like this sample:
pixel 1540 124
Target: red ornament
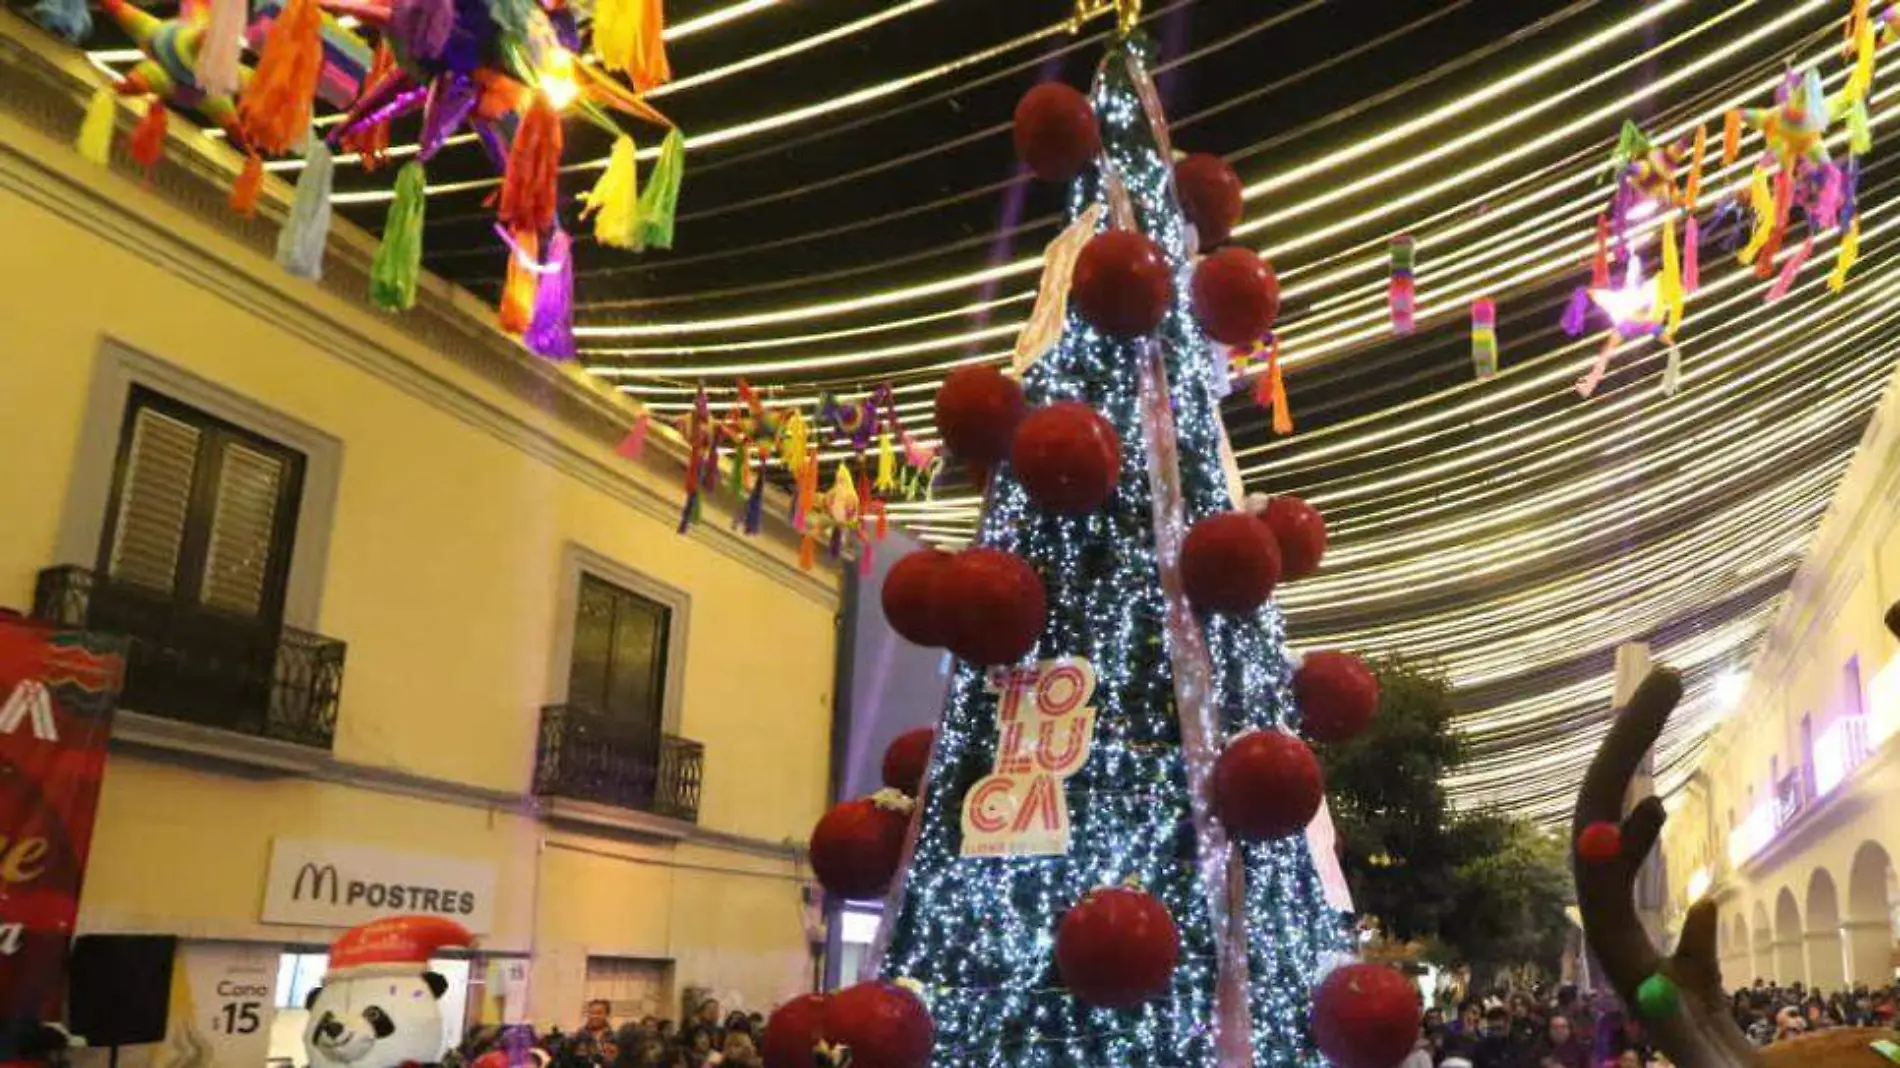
pixel 1267 784
pixel 1301 532
pixel 1211 196
pixel 1229 563
pixel 1366 1016
pixel 1068 457
pixel 793 1032
pixel 977 412
pixel 856 848
pixel 1235 296
pixel 907 759
pixel 1600 843
pixel 913 597
pixel 997 607
pixel 1337 695
pixel 884 1025
pixel 1122 284
pixel 1056 134
pixel 1117 948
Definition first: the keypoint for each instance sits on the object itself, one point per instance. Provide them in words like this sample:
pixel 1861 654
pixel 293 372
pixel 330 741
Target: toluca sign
pixel 337 884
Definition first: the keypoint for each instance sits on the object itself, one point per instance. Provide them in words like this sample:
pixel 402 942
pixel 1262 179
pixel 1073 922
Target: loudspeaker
pixel 120 988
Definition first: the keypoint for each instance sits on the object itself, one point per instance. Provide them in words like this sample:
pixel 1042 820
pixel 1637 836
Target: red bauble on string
pixel 907 759
pixel 1599 843
pixel 1122 284
pixel 1211 196
pixel 1235 296
pixel 1366 1016
pixel 1300 531
pixel 1267 785
pixel 793 1032
pixel 883 1024
pixel 1117 948
pixel 1068 457
pixel 857 847
pixel 1337 696
pixel 997 606
pixel 1229 563
pixel 913 597
pixel 977 412
pixel 1055 132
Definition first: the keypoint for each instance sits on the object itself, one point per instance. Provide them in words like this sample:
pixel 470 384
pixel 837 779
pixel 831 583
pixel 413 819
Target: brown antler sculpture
pixel 1698 1030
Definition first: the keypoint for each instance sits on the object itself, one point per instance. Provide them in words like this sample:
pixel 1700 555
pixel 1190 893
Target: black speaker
pixel 120 988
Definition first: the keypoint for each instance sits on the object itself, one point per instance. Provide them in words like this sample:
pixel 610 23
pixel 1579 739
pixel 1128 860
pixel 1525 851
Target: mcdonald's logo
pixel 318 876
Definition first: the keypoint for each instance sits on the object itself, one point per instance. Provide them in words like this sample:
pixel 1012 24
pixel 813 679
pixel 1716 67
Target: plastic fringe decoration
pixel 1850 251
pixel 394 272
pixel 515 310
pixel 616 33
pixel 1484 338
pixel 755 503
pixel 249 184
pixel 634 445
pixel 1401 296
pixel 650 67
pixel 1860 136
pixel 660 199
pixel 274 112
pixel 306 231
pixel 1600 262
pixel 1669 282
pixel 1761 201
pixel 513 16
pixel 148 137
pixel 423 26
pixel 531 185
pixel 1731 137
pixel 550 333
pixel 1576 313
pixel 1692 189
pixel 1691 256
pixel 1784 207
pixel 1599 367
pixel 94 143
pixel 807 552
pixel 614 202
pixel 1276 392
pixel 886 463
pixel 1785 280
pixel 221 47
pixel 371 142
pixel 67 18
pixel 1672 371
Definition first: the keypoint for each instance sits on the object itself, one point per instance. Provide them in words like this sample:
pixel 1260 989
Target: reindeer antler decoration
pixel 1694 1026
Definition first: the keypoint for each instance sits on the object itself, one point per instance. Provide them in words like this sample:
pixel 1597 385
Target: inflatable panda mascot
pixel 377 1005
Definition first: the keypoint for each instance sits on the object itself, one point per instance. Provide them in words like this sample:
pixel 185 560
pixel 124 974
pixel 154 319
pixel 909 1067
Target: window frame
pixel 201 507
pixel 577 561
pixel 119 370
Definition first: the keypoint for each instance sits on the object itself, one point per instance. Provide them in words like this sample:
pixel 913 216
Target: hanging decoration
pixel 1400 294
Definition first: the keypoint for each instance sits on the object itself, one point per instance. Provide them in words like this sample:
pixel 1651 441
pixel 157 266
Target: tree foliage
pixel 1488 888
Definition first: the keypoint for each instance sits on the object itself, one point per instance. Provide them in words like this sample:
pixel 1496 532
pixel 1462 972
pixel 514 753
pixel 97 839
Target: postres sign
pixel 315 883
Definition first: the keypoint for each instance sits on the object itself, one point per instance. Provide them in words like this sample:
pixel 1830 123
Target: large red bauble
pixel 1366 1016
pixel 856 848
pixel 977 412
pixel 997 606
pixel 1301 532
pixel 907 759
pixel 885 1026
pixel 1235 296
pixel 1068 457
pixel 1211 196
pixel 1229 563
pixel 793 1032
pixel 1337 696
pixel 1600 842
pixel 913 597
pixel 1267 785
pixel 1122 285
pixel 1117 948
pixel 1056 134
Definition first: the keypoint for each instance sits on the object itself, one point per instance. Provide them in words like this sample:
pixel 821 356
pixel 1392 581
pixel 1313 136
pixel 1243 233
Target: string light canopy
pixel 855 220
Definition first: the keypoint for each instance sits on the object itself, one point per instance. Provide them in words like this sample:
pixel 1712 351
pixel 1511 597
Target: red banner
pixel 57 692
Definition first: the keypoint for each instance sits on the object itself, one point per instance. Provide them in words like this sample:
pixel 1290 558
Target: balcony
pixel 196 666
pixel 601 760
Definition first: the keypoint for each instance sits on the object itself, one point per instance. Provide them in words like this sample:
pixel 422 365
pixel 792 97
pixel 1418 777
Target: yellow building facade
pixel 460 517
pixel 1791 820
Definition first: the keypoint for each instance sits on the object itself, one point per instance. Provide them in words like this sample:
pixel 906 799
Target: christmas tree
pixel 977 934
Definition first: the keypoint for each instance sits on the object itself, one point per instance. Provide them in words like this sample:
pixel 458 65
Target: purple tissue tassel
pixel 422 26
pixel 451 98
pixel 551 332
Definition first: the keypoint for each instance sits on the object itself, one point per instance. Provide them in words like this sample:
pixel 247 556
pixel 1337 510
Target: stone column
pixel 1790 968
pixel 1826 966
pixel 1869 951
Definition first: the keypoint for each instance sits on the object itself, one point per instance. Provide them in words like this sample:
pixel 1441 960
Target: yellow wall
pixel 443 577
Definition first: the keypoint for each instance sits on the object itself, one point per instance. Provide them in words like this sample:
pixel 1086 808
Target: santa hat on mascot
pixel 395 945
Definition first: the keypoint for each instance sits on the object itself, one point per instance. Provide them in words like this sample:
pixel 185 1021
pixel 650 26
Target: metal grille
pixel 586 756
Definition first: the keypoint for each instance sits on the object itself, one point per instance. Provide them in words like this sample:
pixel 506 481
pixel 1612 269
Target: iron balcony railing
pixel 195 665
pixel 586 756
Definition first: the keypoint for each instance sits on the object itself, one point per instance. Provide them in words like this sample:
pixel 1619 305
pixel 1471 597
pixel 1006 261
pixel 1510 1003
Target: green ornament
pixel 1657 998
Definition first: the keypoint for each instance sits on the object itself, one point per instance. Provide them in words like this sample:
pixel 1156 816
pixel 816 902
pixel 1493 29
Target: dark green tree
pixel 1511 885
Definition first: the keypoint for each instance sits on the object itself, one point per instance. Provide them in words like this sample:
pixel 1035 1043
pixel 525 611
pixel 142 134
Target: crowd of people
pixel 1566 1030
pixel 707 1039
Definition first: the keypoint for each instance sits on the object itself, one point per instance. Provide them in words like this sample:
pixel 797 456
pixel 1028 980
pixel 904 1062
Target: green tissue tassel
pixel 661 197
pixel 398 263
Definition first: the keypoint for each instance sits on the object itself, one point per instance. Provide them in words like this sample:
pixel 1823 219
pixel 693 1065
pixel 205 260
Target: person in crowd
pixel 1461 1038
pixel 1559 1047
pixel 1494 1048
pixel 598 1020
pixel 699 1043
pixel 739 1051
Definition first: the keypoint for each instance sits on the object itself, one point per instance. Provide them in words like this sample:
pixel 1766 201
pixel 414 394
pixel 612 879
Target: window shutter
pixel 155 500
pixel 243 530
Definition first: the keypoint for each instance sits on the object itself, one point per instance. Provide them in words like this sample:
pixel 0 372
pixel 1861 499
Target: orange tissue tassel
pixel 148 137
pixel 249 183
pixel 517 292
pixel 274 112
pixel 530 187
